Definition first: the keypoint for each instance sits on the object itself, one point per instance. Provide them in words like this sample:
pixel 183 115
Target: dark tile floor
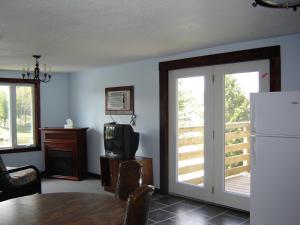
pixel 170 210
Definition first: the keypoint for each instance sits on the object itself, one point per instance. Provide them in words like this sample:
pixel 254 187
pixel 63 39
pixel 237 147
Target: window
pixel 19 115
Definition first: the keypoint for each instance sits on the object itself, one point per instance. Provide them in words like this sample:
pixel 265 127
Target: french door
pixel 190 173
pixel 209 149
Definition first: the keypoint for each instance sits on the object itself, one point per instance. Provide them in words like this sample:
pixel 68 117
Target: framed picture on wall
pixel 119 100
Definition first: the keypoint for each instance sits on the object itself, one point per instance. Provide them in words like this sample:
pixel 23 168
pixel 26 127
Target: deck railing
pixel 191 154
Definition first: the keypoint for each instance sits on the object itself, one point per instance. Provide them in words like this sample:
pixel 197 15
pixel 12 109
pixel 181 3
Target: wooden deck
pixel 239 184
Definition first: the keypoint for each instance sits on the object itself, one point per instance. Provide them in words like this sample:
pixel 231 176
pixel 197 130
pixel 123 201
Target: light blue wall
pixel 87 94
pixel 55 107
pixel 87 105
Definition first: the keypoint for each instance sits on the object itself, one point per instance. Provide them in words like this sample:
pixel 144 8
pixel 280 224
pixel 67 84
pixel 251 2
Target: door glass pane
pixel 237 130
pixel 5 129
pixel 24 115
pixel 190 125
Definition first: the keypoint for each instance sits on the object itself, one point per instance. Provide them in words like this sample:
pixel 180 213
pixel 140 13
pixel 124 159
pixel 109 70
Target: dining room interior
pixel 141 112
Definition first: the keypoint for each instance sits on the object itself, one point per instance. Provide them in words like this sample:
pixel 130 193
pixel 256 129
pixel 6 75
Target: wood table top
pixel 63 209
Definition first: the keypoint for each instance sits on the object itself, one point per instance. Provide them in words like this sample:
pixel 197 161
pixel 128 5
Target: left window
pixel 19 115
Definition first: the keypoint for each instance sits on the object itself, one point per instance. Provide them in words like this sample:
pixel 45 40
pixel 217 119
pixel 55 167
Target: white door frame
pixel 213 190
pixel 220 196
pixel 175 187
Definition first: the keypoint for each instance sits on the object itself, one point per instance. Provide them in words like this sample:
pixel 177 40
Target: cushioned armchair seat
pixel 22 177
pixel 17 182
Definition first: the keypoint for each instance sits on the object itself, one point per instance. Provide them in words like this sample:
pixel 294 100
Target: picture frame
pixel 119 100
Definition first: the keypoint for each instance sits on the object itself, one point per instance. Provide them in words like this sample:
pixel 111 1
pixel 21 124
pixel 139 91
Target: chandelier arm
pixel 263 3
pixel 49 78
pixel 46 80
pixel 270 5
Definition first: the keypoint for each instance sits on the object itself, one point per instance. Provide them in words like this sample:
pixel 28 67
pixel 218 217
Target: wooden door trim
pixel 270 53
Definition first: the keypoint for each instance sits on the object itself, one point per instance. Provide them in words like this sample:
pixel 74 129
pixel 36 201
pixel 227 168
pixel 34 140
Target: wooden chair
pixel 137 207
pixel 17 182
pixel 129 178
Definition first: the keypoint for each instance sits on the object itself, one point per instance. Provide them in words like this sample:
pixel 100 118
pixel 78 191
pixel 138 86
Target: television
pixel 120 141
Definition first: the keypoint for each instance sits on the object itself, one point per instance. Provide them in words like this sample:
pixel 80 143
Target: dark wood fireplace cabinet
pixel 65 153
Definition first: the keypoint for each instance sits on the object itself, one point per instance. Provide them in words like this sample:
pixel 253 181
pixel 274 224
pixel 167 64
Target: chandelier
pixel 278 3
pixel 35 75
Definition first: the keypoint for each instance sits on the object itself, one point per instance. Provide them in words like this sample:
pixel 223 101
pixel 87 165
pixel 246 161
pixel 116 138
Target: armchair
pixel 17 182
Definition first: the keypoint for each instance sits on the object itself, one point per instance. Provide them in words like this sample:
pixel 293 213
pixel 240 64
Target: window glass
pixel 5 128
pixel 24 115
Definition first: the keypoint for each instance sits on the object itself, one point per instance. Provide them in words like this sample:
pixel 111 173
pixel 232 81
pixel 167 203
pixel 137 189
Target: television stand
pixel 110 171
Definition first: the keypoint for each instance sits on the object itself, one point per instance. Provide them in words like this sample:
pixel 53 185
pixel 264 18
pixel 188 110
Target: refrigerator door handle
pixel 252 150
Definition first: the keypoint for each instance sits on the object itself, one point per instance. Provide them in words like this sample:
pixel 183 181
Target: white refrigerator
pixel 275 158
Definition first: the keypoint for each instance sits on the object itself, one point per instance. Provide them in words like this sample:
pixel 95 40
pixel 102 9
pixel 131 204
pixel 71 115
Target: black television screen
pixel 120 141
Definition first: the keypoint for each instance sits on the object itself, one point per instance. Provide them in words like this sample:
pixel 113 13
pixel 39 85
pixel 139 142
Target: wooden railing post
pixel 190 147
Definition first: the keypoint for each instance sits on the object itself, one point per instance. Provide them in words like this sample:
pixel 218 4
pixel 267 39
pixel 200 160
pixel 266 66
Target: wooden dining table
pixel 63 209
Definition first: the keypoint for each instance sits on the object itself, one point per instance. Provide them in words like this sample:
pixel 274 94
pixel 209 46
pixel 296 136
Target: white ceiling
pixel 77 34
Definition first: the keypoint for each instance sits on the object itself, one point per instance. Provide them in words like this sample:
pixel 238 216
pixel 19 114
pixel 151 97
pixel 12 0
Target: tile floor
pixel 171 210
